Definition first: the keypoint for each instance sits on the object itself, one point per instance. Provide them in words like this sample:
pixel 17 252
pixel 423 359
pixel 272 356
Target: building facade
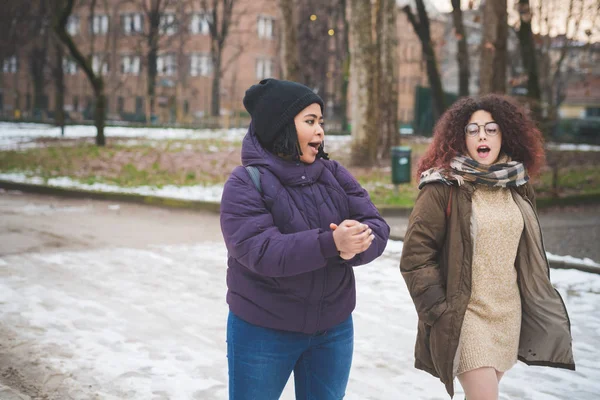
pixel 116 40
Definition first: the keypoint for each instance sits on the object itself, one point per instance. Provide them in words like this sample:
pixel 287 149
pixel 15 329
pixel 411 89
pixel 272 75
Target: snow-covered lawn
pixel 13 136
pixel 149 323
pixel 210 193
pixel 23 135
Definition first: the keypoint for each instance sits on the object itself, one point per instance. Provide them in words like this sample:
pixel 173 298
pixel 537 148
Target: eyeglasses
pixel 491 129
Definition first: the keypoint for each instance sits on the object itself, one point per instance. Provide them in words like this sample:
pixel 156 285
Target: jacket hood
pixel 290 173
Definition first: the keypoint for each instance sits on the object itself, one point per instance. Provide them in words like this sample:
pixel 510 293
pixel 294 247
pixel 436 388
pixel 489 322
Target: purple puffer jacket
pixel 284 269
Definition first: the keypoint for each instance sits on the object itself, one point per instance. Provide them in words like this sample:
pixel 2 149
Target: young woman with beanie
pixel 293 237
pixel 473 257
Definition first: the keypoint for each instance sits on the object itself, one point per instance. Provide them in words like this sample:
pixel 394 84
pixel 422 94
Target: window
pixel 166 64
pixel 132 23
pixel 264 68
pixel 100 65
pixel 199 24
pixel 265 27
pixel 99 25
pixel 130 65
pixel 75 103
pixel 168 26
pixel 120 104
pixel 73 25
pixel 69 66
pixel 9 65
pixel 592 112
pixel 200 65
pixel 186 107
pixel 139 105
pixel 28 101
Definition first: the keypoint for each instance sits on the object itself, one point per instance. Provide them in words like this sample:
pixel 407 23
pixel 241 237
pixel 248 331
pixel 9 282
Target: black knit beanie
pixel 273 103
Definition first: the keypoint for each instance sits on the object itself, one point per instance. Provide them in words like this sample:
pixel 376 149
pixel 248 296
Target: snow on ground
pixel 211 193
pixel 14 136
pixel 572 147
pixel 147 323
pixel 572 260
pixel 23 135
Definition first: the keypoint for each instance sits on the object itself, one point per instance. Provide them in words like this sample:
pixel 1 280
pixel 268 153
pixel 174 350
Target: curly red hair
pixel 521 139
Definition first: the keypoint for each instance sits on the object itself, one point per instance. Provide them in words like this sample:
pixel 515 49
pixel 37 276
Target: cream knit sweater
pixel 490 331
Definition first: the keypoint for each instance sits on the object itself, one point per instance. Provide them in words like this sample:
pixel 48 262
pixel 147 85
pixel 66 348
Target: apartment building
pixel 116 40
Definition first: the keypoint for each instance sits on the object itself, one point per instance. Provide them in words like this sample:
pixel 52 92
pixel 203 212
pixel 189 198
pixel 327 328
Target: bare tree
pixel 421 27
pixel 387 38
pixel 529 57
pixel 462 56
pixel 559 26
pixel 155 13
pixel 64 9
pixel 364 82
pixel 492 73
pixel 37 51
pixel 15 26
pixel 343 54
pixel 291 63
pixel 58 74
pixel 219 25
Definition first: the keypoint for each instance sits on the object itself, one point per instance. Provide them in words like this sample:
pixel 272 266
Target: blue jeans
pixel 262 359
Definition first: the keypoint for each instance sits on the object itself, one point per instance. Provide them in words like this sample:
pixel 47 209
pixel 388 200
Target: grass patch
pixel 585 179
pixel 188 162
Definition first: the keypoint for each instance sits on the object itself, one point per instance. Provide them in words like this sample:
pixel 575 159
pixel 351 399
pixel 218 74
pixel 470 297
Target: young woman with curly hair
pixel 473 257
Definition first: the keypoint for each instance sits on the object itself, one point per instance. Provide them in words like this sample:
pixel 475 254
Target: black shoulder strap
pixel 255 176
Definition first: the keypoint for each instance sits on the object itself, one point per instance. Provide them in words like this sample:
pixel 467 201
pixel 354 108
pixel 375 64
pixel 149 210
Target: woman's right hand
pixel 352 237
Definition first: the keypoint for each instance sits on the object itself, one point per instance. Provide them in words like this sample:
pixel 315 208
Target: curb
pixel 214 207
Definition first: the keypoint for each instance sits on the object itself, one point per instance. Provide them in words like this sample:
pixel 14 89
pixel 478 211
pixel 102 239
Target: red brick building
pixel 116 40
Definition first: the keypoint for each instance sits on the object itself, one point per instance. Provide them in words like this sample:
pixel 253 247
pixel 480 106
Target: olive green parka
pixel 436 265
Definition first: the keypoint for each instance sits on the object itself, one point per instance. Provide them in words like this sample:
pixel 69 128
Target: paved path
pixel 108 302
pixel 40 223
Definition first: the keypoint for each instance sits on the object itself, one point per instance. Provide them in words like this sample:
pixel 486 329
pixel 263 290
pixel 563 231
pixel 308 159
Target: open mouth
pixel 483 151
pixel 315 145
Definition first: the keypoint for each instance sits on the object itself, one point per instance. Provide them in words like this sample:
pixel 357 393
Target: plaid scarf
pixel 505 173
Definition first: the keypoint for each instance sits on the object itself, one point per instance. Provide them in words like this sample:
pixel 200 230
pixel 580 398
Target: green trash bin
pixel 400 165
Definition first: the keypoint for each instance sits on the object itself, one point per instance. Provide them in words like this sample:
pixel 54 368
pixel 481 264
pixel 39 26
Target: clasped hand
pixel 351 238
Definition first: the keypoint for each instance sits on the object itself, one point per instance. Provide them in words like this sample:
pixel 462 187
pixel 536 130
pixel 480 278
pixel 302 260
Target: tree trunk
pixel 59 81
pixel 37 65
pixel 291 63
pixel 462 56
pixel 64 11
pixel 215 102
pixel 345 76
pixel 492 74
pixel 422 30
pixel 151 58
pixel 218 26
pixel 528 55
pixel 364 84
pixel 100 114
pixel 388 45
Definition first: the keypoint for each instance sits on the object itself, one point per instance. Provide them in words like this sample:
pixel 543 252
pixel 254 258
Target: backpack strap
pixel 449 206
pixel 255 176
